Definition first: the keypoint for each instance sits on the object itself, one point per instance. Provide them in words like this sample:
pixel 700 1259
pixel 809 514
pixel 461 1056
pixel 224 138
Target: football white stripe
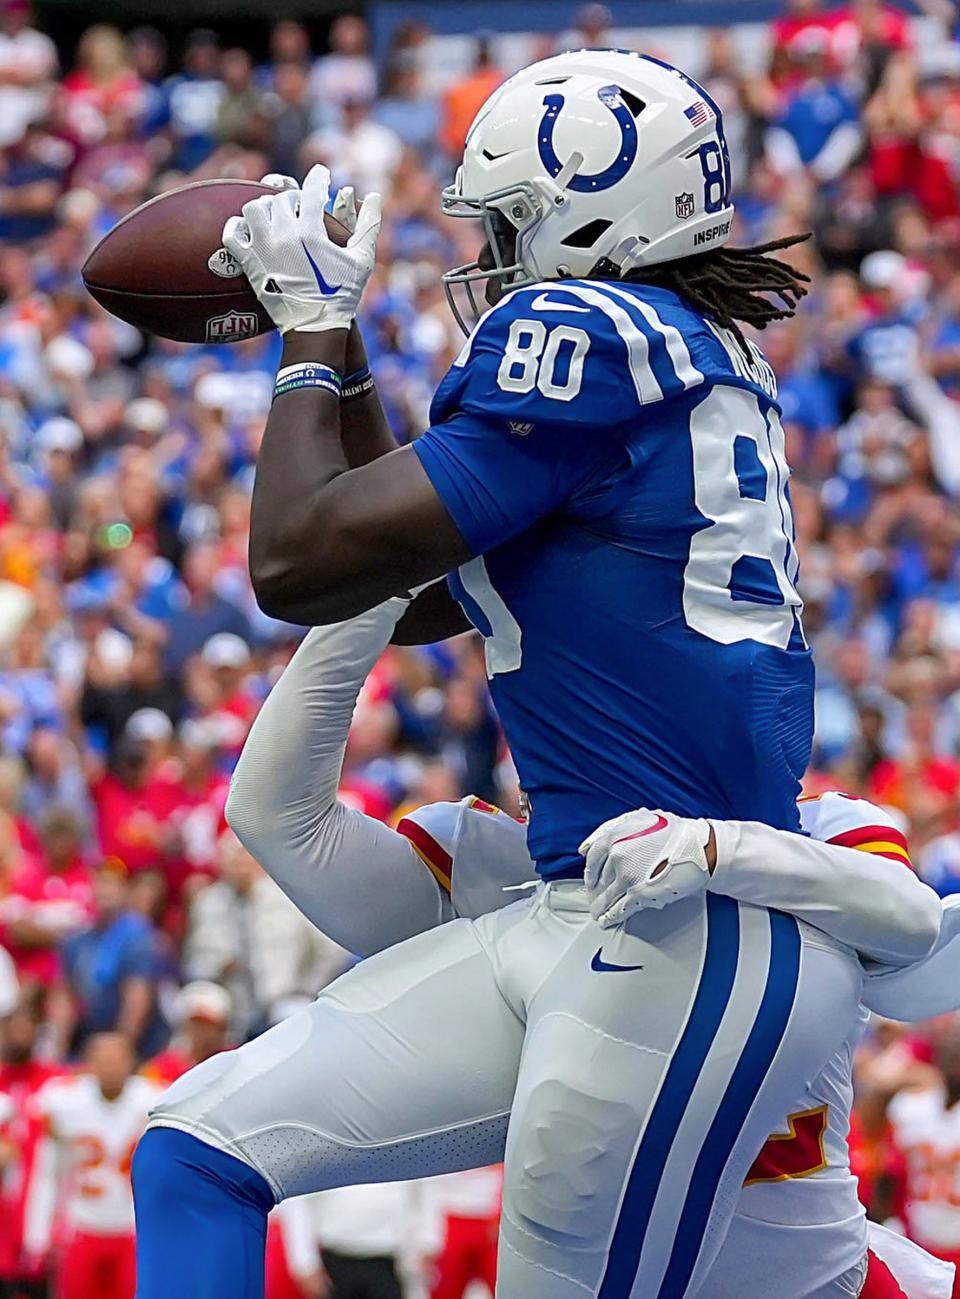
pixel 638 346
pixel 677 350
pixel 602 296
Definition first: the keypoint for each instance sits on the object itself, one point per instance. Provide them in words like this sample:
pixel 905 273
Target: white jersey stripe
pixel 677 350
pixel 604 297
pixel 638 345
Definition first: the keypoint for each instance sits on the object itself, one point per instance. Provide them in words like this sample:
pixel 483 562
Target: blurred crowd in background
pixel 135 932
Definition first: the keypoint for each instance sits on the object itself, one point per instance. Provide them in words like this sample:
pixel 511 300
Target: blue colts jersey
pixel 616 465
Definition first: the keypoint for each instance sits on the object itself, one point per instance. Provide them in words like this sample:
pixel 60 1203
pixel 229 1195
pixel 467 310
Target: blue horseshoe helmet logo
pixel 627 152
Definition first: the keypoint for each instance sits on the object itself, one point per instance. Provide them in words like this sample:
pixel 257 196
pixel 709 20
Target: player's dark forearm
pixel 300 455
pixel 369 533
pixel 366 435
pixel 326 541
pixel 364 431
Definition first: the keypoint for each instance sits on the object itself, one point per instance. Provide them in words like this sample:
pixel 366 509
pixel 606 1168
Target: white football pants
pixel 634 1075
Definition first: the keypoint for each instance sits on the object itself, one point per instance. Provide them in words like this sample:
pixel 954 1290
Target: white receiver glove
pixel 301 276
pixel 345 207
pixel 623 854
pixel 277 180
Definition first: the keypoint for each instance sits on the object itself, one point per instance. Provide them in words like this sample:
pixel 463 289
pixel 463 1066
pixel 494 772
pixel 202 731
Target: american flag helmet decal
pixel 697 113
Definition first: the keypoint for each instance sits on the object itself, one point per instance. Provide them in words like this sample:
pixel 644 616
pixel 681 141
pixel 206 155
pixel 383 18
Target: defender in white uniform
pixel 277 1104
pixel 80 1175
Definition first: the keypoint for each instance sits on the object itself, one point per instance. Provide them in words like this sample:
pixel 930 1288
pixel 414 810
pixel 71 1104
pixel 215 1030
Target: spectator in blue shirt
pixel 28 692
pixel 205 612
pixel 818 127
pixel 31 181
pixel 113 968
pixel 193 101
pixel 807 400
pixel 406 109
pixel 885 349
pixel 147 51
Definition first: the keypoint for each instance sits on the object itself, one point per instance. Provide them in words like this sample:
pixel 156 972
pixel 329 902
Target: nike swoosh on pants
pixel 600 965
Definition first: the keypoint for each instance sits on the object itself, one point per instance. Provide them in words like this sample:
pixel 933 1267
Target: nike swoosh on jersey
pixel 326 289
pixel 600 965
pixel 542 303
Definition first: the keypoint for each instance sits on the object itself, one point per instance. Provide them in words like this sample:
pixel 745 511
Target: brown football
pixel 163 267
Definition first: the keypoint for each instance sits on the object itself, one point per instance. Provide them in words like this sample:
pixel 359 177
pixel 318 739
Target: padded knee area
pixel 258 1102
pixel 571 1158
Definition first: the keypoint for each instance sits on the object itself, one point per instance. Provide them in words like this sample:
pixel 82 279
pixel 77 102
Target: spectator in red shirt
pixel 801 18
pixel 48 897
pixel 203 1015
pixel 893 119
pixel 875 1158
pixel 864 26
pixel 919 768
pixel 935 183
pixel 202 791
pixel 222 691
pixel 133 807
pixel 872 28
pixel 102 83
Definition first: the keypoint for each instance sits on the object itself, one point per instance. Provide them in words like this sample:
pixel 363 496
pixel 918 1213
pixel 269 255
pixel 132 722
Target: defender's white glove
pixel 623 854
pixel 301 276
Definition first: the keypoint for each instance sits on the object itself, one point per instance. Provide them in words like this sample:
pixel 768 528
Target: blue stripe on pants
pixel 748 1077
pixel 710 1003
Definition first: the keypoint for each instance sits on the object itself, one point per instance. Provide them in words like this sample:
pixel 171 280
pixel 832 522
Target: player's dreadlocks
pixel 729 284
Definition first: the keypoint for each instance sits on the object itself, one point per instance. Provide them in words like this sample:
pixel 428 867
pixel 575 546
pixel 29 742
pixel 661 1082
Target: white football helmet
pixel 592 162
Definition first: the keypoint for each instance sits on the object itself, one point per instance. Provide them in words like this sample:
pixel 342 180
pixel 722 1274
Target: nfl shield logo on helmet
pixel 685 206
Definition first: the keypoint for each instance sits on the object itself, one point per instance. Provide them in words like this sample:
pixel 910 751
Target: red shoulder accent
pixel 433 854
pixel 481 805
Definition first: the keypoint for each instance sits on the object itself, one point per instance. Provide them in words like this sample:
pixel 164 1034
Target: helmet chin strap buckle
pixel 553 189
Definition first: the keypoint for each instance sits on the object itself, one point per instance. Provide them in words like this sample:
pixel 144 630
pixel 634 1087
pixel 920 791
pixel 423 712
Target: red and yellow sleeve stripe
pixel 481 805
pixel 881 840
pixel 433 854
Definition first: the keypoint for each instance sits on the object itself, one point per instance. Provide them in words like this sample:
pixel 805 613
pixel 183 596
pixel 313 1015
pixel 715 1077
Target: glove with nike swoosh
pixel 303 279
pixel 644 859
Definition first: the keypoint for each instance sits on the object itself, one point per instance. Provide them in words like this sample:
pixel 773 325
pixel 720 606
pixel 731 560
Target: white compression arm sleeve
pixel 360 882
pixel 871 904
pixel 928 988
